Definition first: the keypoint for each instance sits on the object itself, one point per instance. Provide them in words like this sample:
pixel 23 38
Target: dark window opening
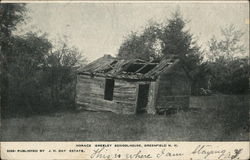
pixel 109 89
pixel 134 67
pixel 147 68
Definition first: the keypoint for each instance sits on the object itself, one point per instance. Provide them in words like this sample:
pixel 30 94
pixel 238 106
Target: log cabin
pixel 133 86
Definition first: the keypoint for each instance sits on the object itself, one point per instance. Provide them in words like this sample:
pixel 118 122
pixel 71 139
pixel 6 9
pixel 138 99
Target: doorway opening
pixel 142 98
pixel 109 89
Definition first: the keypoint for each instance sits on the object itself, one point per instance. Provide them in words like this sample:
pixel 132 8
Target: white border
pixel 118 1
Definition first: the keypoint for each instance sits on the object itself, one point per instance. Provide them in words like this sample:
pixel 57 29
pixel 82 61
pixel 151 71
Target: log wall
pixel 90 95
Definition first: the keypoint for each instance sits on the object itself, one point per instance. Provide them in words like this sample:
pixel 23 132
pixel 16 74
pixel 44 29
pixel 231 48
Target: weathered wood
pixel 125 103
pixel 136 100
pixel 125 94
pixel 121 98
pixel 91 94
pixel 171 80
pixel 105 104
pixel 145 64
pixel 97 107
pixel 89 81
pixel 151 99
pixel 93 107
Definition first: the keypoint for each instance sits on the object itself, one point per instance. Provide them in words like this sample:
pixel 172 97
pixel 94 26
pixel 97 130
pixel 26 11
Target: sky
pixel 99 28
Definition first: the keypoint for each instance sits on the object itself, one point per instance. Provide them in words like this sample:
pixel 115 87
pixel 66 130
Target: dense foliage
pixel 143 46
pixel 229 69
pixel 36 76
pixel 10 15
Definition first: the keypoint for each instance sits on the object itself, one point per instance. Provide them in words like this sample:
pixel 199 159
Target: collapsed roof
pixel 134 69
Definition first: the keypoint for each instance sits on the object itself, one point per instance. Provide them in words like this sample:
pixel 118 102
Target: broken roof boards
pixel 135 69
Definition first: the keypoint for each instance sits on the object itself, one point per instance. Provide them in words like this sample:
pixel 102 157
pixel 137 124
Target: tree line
pixel 221 69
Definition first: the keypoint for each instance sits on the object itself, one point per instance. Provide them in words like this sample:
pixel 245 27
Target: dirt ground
pixel 105 126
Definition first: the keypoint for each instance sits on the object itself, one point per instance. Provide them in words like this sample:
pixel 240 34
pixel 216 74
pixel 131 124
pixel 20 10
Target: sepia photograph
pixel 124 71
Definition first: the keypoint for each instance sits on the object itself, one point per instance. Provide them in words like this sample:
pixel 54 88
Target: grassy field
pixel 104 126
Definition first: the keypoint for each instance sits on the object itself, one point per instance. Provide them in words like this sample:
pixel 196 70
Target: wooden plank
pixel 102 104
pixel 136 95
pixel 113 106
pixel 90 81
pixel 125 103
pixel 121 98
pixel 145 65
pixel 89 77
pixel 119 92
pixel 93 107
pixel 91 94
pixel 124 87
pixel 125 94
pixel 100 101
pixel 125 83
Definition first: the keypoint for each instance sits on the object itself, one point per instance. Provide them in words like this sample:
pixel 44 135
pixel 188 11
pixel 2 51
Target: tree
pixel 174 39
pixel 143 46
pixel 229 70
pixel 228 47
pixel 61 67
pixel 25 71
pixel 41 77
pixel 36 76
pixel 171 38
pixel 10 15
pixel 177 41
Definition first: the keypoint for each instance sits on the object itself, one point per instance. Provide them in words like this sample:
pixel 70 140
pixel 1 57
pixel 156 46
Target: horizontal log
pixel 95 100
pixel 125 98
pixel 133 85
pixel 98 107
pixel 94 107
pixel 101 85
pixel 125 103
pixel 100 93
pixel 128 99
pixel 88 83
pixel 125 88
pixel 84 82
pixel 100 101
pixel 90 94
pixel 102 106
pixel 124 94
pixel 85 90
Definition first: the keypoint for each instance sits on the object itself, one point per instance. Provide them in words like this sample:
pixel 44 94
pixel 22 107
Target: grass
pixel 199 125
